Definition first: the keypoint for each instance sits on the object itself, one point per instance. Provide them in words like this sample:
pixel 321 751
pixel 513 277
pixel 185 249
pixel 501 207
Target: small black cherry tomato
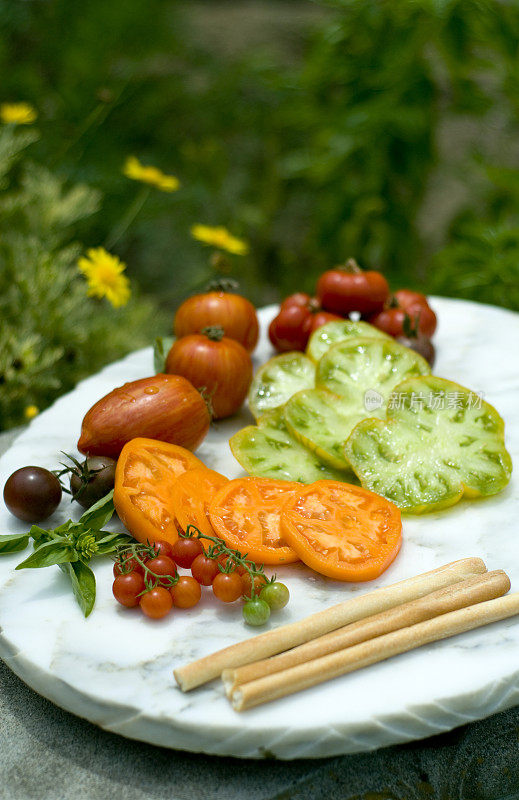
pixel 185 550
pixel 126 589
pixel 32 493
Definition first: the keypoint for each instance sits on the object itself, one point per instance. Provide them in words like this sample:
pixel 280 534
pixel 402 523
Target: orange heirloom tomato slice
pixel 191 495
pixel 246 514
pixel 342 531
pixel 144 478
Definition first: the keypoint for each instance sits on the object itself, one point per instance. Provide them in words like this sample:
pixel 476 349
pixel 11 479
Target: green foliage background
pixel 384 129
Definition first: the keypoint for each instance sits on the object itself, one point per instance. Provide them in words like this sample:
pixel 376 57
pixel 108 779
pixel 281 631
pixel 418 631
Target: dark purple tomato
pixel 92 480
pixel 421 345
pixel 32 493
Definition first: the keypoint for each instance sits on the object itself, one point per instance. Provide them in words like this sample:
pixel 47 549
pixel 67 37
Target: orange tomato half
pixel 191 495
pixel 144 478
pixel 342 531
pixel 246 514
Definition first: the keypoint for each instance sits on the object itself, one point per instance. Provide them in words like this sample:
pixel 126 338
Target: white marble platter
pixel 115 668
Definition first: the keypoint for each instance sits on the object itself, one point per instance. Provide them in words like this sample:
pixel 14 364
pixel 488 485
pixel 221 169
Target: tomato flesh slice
pixel 268 450
pixel 438 442
pixel 246 514
pixel 342 531
pixel 279 379
pixel 191 496
pixel 339 331
pixel 146 472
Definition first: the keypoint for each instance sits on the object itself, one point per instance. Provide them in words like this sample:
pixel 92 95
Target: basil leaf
pixel 83 584
pixel 99 514
pixel 13 543
pixel 109 544
pixel 161 349
pixel 37 533
pixel 47 554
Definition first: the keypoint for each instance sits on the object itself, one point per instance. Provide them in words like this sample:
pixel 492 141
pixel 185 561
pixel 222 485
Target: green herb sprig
pixel 71 547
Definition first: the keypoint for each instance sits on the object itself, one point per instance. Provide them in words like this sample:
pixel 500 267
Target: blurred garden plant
pixel 63 313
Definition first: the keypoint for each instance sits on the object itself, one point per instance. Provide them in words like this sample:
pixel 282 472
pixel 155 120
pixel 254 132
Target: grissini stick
pixel 459 595
pixel 323 669
pixel 268 644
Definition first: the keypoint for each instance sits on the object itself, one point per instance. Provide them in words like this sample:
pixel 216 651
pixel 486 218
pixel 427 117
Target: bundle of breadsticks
pixel 454 598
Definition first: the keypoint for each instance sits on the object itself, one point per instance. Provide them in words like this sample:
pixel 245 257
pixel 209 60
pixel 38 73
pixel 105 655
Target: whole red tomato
pixel 234 313
pixel 299 299
pixel 416 304
pixel 163 407
pixel 348 288
pixel 408 304
pixel 320 318
pixel 213 362
pixel 299 316
pixel 290 330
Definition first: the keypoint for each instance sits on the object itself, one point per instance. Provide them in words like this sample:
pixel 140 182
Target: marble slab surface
pixel 115 668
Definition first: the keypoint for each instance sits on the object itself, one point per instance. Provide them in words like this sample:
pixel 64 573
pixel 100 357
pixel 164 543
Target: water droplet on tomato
pixel 151 390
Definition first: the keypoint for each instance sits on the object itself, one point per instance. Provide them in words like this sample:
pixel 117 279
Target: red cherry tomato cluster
pixel 406 315
pixel 147 576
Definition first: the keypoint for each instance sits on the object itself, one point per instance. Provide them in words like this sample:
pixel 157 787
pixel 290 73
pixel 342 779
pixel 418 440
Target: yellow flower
pixel 30 412
pixel 221 238
pixel 155 177
pixel 17 113
pixel 104 273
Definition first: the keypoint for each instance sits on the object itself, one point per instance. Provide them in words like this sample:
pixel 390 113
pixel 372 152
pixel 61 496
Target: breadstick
pixel 323 669
pixel 283 638
pixel 459 595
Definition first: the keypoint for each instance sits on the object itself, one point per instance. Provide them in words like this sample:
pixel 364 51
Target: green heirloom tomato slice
pixel 269 451
pixel 323 421
pixel 279 379
pixel 365 371
pixel 438 442
pixel 339 331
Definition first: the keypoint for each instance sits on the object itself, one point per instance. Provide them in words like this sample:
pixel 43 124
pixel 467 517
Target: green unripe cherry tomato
pixel 256 612
pixel 276 595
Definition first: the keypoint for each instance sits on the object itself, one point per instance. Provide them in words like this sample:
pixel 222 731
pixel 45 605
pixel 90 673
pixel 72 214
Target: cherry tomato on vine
pixel 185 550
pixel 227 587
pixel 161 565
pixel 276 594
pixel 348 288
pixel 162 548
pixel 186 593
pixel 130 565
pixel 259 582
pixel 204 569
pixel 127 588
pixel 256 612
pixel 156 603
